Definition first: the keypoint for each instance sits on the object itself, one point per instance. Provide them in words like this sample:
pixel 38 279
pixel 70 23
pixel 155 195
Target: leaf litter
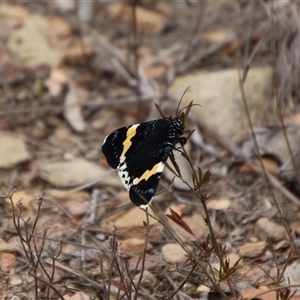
pixel 59 78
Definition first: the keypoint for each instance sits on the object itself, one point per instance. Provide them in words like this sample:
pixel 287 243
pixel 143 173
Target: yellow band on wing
pixel 158 168
pixel 131 132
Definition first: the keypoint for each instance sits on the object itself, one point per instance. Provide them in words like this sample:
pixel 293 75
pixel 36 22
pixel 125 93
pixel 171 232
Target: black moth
pixel 139 153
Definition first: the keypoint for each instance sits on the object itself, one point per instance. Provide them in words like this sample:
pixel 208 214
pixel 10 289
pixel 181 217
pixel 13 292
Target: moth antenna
pixel 188 108
pixel 177 112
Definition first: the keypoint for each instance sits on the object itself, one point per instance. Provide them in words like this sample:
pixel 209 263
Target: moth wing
pixel 112 146
pixel 142 193
pixel 139 153
pixel 141 171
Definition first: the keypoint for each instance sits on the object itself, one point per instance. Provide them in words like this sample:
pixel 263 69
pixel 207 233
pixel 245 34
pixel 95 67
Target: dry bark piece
pixel 147 22
pixel 34 51
pixel 148 280
pixel 282 245
pixel 217 35
pixel 134 246
pixel 77 209
pixel 129 218
pixel 77 296
pixel 63 137
pixel 220 204
pixel 252 249
pixel 155 71
pixel 12 150
pixel 13 15
pixel 101 120
pixel 270 164
pixel 173 253
pixel 295 226
pixel 13 12
pixel 292 276
pixel 266 228
pixel 271 141
pixel 56 82
pixel 64 6
pixel 50 42
pixel 140 232
pixel 71 173
pixel 221 102
pixel 15 280
pixel 203 288
pixel 63 196
pixel 253 293
pixel 294 119
pixel 8 262
pixel 58 31
pixel 25 197
pixel 72 109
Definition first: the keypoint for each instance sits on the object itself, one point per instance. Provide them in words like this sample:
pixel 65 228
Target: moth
pixel 139 153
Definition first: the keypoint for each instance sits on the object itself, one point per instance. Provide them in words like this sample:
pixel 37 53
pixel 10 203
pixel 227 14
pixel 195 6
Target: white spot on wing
pixel 124 176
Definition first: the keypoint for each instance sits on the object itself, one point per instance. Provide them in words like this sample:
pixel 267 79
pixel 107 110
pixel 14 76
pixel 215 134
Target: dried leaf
pixel 72 110
pixel 178 220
